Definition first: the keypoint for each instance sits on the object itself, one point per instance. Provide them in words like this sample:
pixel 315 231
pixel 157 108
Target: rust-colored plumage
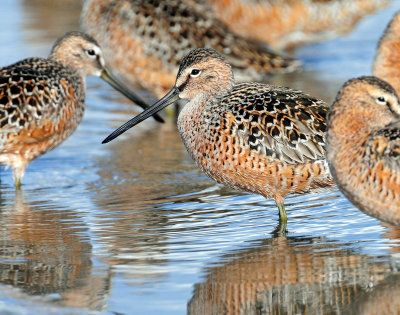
pixel 42 100
pixel 287 23
pixel 251 136
pixel 144 40
pixel 386 64
pixel 363 146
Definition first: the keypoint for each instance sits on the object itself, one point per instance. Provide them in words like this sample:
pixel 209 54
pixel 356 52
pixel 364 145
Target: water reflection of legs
pixel 280 230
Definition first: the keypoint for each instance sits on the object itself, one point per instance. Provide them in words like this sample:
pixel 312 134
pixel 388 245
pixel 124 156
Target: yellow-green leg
pixel 17 183
pixel 282 212
pixel 18 172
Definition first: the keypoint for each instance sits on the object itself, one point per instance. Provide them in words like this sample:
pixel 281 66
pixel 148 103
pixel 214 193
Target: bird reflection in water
pixel 44 252
pixel 297 275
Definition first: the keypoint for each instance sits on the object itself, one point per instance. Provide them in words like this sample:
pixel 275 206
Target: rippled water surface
pixel 134 227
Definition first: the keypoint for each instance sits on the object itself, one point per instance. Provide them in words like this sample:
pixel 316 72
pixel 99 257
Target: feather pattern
pixel 276 122
pixel 144 40
pixel 363 146
pixel 384 146
pixel 38 89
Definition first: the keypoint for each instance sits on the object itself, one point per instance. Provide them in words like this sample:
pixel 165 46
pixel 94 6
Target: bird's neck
pixel 192 122
pixel 68 60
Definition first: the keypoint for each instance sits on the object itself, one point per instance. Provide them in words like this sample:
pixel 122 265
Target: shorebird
pixel 255 137
pixel 42 100
pixel 289 23
pixel 386 63
pixel 144 40
pixel 363 146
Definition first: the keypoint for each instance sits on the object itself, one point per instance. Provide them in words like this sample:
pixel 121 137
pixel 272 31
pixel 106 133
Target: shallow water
pixel 134 227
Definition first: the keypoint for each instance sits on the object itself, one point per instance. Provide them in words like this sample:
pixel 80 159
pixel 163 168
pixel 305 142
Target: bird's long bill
pixel 107 76
pixel 168 99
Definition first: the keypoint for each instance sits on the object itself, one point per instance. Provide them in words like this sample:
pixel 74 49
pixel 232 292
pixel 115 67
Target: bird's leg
pixel 17 182
pixel 282 212
pixel 280 202
pixel 18 173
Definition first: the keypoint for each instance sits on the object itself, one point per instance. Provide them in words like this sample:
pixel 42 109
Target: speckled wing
pixel 384 146
pixel 239 51
pixel 169 29
pixel 277 122
pixel 33 92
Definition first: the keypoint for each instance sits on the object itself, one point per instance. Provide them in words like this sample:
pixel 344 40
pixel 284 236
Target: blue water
pixel 135 228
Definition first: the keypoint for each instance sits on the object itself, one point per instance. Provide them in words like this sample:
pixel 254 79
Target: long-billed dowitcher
pixel 386 64
pixel 42 100
pixel 363 146
pixel 287 23
pixel 251 136
pixel 144 40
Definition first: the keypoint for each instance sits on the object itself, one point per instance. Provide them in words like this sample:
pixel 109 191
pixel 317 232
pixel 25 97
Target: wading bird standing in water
pixel 42 100
pixel 255 137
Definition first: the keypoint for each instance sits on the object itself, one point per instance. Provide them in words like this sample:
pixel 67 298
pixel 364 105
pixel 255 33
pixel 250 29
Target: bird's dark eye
pixel 381 99
pixel 195 72
pixel 91 52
